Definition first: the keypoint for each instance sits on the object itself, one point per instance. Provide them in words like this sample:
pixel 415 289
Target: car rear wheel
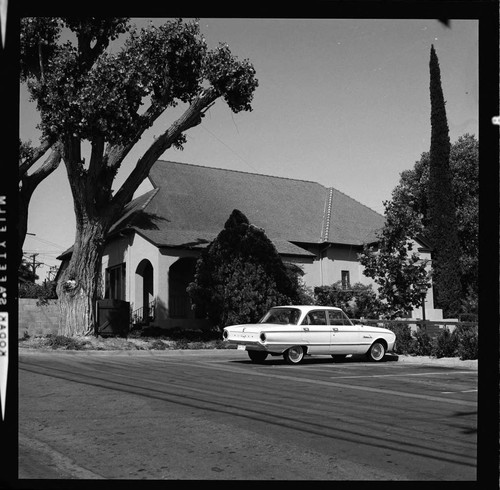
pixel 294 354
pixel 376 352
pixel 257 355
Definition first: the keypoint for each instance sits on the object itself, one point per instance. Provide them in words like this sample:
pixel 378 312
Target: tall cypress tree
pixel 442 214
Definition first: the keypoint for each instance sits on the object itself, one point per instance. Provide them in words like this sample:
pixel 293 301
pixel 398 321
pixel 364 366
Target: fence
pixel 37 320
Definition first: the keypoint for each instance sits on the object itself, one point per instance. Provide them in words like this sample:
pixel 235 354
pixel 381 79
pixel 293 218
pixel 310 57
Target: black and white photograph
pixel 250 247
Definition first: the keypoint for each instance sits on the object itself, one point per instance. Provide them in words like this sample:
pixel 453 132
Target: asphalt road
pixel 204 415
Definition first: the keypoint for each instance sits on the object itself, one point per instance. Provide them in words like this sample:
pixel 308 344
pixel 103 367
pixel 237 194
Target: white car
pixel 297 331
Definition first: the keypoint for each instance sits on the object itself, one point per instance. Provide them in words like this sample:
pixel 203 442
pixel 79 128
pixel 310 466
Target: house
pixel 151 251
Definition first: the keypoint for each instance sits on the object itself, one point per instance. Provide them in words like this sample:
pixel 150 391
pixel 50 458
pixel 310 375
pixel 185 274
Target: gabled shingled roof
pixel 190 205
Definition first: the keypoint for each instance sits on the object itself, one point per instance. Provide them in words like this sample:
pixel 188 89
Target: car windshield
pixel 281 316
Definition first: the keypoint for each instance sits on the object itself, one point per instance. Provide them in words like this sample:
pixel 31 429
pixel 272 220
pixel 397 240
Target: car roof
pixel 306 308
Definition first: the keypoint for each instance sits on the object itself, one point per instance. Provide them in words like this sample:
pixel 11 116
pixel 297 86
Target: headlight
pixel 263 337
pixel 225 334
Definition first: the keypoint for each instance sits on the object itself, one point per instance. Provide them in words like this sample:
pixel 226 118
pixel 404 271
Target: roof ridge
pixel 131 213
pixel 239 171
pixel 149 199
pixel 327 214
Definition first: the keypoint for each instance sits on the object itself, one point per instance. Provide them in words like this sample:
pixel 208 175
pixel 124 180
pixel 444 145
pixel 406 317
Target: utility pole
pixel 34 264
pixel 52 272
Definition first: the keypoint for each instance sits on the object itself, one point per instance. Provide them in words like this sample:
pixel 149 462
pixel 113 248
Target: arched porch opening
pixel 181 273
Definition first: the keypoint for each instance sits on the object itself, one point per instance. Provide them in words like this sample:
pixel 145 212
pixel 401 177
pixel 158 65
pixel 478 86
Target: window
pixel 115 282
pixel 346 280
pixel 338 318
pixel 315 318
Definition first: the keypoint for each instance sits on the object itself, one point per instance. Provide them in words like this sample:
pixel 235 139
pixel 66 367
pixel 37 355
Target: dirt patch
pixel 52 342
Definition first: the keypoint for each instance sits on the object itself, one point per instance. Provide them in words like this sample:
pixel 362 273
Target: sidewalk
pixel 443 361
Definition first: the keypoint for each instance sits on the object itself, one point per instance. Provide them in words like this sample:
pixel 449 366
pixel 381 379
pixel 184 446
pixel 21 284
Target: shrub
pixel 42 292
pixel 63 342
pixel 181 344
pixel 404 339
pixel 423 344
pixel 467 342
pixel 445 344
pixel 158 344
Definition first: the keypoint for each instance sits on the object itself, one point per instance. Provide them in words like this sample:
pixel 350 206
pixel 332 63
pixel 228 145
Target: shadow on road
pixel 353 358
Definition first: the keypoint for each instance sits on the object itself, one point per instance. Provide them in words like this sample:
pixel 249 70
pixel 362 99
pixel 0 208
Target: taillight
pixel 225 334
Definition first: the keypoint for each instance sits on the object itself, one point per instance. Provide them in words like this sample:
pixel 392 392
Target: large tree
pixel 442 227
pixel 411 194
pixel 109 99
pixel 395 265
pixel 407 218
pixel 240 275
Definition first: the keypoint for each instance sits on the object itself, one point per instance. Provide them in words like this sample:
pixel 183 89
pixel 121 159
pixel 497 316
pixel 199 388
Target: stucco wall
pixel 328 269
pixel 134 250
pixel 37 320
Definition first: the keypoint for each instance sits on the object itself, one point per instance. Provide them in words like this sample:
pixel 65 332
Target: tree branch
pixel 115 154
pixel 25 165
pixel 191 117
pixel 50 164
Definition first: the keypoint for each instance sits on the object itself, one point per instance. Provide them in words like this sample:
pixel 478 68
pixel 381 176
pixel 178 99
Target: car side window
pixel 336 317
pixel 315 318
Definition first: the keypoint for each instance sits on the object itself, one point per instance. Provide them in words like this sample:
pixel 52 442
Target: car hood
pixel 380 330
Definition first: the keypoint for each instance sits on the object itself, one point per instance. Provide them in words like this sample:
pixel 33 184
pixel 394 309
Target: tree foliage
pixel 396 267
pixel 411 194
pixel 407 214
pixel 87 93
pixel 408 217
pixel 240 275
pixel 442 225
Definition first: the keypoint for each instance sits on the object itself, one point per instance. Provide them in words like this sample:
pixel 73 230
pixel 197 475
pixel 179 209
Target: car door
pixel 316 332
pixel 345 337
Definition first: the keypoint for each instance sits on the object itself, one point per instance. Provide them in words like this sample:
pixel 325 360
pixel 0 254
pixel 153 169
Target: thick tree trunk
pixel 78 289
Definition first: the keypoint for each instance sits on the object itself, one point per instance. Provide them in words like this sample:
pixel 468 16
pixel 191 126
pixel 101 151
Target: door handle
pixel 306 329
pixel 335 329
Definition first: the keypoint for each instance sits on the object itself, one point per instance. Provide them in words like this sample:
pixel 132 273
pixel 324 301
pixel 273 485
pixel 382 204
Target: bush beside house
pixel 462 342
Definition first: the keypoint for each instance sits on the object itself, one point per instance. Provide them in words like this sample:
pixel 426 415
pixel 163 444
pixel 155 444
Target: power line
pixel 33 263
pixel 47 242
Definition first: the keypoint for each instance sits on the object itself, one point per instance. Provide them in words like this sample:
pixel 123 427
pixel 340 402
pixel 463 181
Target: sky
pixel 341 102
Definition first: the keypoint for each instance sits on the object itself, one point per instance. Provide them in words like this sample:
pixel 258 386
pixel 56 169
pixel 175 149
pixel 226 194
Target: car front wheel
pixel 294 355
pixel 376 352
pixel 257 355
